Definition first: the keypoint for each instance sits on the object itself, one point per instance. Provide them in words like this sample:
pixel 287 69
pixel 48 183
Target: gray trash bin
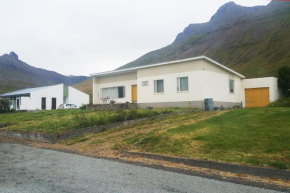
pixel 208 104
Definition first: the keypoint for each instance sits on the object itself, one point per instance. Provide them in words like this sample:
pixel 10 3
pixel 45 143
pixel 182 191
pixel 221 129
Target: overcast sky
pixel 81 37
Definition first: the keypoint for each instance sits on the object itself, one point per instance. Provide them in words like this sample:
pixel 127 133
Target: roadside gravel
pixel 28 169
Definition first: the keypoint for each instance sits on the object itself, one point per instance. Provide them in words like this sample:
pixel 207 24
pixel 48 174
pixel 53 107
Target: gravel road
pixel 27 169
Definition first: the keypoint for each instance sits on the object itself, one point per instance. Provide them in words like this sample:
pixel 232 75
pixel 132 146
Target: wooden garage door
pixel 257 97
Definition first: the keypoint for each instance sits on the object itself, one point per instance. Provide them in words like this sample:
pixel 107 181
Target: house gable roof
pixel 23 92
pixel 128 70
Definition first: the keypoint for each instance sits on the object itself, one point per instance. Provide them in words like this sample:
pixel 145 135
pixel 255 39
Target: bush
pixel 107 117
pixel 282 102
pixel 284 80
pixel 4 105
pixel 83 106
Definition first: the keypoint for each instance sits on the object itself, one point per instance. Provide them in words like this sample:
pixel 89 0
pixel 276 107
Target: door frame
pixel 43 107
pixel 132 93
pixel 52 106
pixel 247 89
pixel 17 103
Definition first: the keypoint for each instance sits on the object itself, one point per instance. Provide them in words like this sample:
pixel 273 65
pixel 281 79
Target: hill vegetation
pixel 251 40
pixel 16 74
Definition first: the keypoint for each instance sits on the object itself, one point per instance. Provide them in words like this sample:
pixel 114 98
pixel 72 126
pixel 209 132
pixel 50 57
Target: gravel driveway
pixel 28 169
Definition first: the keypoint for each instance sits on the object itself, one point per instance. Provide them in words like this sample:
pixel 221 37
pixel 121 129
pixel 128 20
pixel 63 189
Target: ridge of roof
pixel 24 91
pixel 166 63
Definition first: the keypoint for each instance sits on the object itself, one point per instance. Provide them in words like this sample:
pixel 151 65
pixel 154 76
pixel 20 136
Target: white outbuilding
pixel 183 83
pixel 45 98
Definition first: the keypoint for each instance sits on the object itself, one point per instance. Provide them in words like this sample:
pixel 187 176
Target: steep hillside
pixel 15 74
pixel 254 41
pixel 86 87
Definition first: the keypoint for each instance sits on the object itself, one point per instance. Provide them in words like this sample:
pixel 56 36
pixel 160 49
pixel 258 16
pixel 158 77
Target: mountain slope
pixel 15 74
pixel 251 40
pixel 86 87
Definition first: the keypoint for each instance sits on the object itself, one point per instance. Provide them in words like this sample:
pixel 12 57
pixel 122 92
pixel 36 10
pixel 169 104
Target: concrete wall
pixel 195 65
pixel 77 97
pixel 205 80
pixel 270 82
pixel 126 80
pixel 202 84
pixel 49 93
pixel 34 101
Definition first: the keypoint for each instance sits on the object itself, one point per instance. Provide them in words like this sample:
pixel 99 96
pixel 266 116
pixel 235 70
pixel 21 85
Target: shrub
pixel 282 102
pixel 83 106
pixel 107 117
pixel 284 80
pixel 4 105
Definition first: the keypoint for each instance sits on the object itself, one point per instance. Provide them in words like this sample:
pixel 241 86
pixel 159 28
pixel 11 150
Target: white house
pixel 183 83
pixel 45 98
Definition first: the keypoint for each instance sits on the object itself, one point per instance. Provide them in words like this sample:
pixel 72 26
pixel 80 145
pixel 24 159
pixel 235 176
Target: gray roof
pixel 22 92
pixel 134 69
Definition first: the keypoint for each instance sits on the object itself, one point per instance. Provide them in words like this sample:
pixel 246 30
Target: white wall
pixel 34 101
pixel 77 97
pixel 270 82
pixel 49 93
pixel 126 80
pixel 202 84
pixel 128 90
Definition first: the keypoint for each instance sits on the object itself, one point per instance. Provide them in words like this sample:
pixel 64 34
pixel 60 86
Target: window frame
pixel 178 84
pixel 155 86
pixel 233 81
pixel 117 87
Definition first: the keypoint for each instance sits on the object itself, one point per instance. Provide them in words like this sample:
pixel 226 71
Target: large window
pixel 113 92
pixel 158 86
pixel 232 86
pixel 182 84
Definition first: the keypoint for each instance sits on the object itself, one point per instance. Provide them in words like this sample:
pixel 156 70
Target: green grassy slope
pixel 258 136
pixel 86 87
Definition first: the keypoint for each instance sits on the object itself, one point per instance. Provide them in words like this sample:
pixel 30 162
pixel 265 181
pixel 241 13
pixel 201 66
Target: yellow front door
pixel 134 93
pixel 257 97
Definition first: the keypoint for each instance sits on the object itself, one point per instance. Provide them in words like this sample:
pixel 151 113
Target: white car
pixel 67 106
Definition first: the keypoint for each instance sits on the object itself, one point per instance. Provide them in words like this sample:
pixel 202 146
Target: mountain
pixel 86 87
pixel 254 41
pixel 16 74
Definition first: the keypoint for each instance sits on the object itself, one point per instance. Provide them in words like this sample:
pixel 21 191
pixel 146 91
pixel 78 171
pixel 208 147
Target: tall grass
pixel 85 120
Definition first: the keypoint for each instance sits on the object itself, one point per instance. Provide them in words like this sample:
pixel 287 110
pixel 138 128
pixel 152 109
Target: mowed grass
pixel 258 136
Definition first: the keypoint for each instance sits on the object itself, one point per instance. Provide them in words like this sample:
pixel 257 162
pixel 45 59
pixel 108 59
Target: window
pixel 113 92
pixel 121 92
pixel 182 84
pixel 232 86
pixel 158 86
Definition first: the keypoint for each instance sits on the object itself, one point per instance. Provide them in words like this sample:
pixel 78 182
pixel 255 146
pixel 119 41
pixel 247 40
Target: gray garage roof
pixel 22 92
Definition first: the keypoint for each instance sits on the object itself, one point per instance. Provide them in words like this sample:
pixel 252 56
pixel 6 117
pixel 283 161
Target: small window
pixel 182 84
pixel 232 86
pixel 121 92
pixel 158 86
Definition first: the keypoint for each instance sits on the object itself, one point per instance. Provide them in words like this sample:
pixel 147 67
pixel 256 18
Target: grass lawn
pixel 54 121
pixel 257 136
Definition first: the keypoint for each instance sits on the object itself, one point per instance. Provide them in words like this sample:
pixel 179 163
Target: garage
pixel 257 97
